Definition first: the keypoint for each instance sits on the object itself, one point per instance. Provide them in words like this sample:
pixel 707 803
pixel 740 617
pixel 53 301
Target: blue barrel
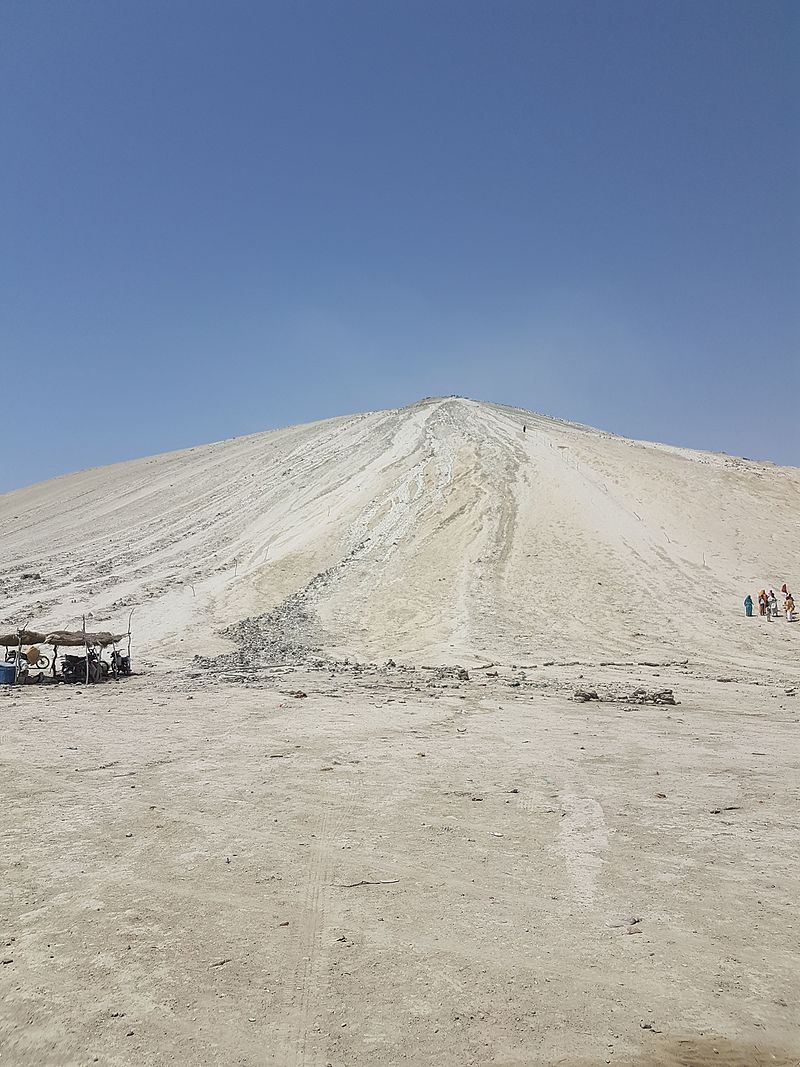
pixel 7 673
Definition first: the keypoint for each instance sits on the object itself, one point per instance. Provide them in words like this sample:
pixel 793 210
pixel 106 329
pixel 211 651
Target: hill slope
pixel 441 532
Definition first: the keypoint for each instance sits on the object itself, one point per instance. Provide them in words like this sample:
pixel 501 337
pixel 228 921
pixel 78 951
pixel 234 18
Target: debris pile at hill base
pixel 638 696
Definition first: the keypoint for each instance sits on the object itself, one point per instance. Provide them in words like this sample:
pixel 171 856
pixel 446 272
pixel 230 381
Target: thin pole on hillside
pixel 86 649
pixel 19 651
pixel 16 658
pixel 129 636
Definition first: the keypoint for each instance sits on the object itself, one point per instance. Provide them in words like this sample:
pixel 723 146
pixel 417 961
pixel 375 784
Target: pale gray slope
pixel 440 532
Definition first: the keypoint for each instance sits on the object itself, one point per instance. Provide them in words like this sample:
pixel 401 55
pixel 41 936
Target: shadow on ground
pixel 698 1052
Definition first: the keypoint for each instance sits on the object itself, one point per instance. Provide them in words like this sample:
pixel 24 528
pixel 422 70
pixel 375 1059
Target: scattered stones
pixel 653 696
pixel 582 695
pixel 443 674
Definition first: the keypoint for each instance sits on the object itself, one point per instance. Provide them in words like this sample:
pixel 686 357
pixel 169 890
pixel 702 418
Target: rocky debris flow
pixel 446 674
pixel 289 634
pixel 651 696
pixel 290 639
pixel 640 695
pixel 279 644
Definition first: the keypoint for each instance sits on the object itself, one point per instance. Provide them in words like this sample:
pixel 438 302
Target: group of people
pixel 768 604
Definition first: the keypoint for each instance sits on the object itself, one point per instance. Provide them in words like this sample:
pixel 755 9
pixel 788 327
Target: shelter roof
pixel 74 638
pixel 25 637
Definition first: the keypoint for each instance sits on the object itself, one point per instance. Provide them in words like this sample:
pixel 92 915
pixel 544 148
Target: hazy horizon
pixel 221 219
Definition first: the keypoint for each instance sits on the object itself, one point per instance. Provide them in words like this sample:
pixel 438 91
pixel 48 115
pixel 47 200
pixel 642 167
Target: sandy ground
pixel 558 882
pixel 179 858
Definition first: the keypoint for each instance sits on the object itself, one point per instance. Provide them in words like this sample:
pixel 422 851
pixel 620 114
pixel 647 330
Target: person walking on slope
pixel 789 607
pixel 762 602
pixel 748 606
pixel 772 601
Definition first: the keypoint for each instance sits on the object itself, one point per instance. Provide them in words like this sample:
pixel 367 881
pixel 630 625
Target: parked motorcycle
pixel 73 668
pixel 31 658
pixel 120 664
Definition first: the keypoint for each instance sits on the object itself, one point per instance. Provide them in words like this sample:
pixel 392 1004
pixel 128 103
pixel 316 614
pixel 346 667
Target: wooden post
pixel 86 649
pixel 17 658
pixel 19 650
pixel 129 636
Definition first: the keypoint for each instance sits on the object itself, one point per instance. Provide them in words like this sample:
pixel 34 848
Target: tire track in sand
pixel 302 993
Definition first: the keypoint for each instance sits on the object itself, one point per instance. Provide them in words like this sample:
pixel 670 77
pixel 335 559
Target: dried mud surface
pixel 550 882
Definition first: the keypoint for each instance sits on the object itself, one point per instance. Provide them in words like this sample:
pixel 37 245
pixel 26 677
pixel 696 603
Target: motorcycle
pixel 32 658
pixel 120 664
pixel 73 668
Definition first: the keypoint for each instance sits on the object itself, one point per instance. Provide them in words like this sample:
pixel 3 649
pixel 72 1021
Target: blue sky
pixel 217 218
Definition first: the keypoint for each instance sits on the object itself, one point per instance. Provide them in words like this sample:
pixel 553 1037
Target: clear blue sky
pixel 223 217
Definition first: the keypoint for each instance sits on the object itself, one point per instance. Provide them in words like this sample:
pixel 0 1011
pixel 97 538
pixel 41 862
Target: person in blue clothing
pixel 748 606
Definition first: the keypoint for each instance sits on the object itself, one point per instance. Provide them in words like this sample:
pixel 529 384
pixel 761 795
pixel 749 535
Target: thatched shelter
pixel 77 638
pixel 23 637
